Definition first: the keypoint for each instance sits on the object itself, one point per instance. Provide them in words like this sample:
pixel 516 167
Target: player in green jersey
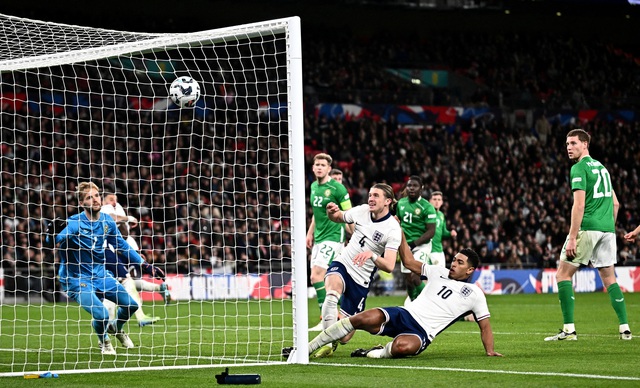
pixel 325 238
pixel 591 236
pixel 418 222
pixel 436 257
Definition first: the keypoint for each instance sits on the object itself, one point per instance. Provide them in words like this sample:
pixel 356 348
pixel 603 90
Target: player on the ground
pixel 446 297
pixel 592 237
pixel 82 272
pixel 374 244
pixel 418 221
pixel 324 237
pixel 120 270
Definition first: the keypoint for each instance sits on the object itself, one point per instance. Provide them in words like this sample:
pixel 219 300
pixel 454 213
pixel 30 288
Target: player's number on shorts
pixel 604 179
pixel 444 292
pixel 327 251
pixel 317 201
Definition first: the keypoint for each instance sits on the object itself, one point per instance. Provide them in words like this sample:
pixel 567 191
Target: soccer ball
pixel 184 92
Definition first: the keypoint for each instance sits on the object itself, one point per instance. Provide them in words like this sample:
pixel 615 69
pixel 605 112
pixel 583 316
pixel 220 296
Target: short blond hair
pixel 84 187
pixel 323 156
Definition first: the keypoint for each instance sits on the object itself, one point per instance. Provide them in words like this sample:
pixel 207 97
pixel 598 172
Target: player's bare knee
pixel 404 346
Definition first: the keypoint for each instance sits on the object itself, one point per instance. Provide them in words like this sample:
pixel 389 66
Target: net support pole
pixel 298 224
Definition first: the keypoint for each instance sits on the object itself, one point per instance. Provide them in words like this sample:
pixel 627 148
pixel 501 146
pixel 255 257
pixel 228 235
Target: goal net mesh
pixel 210 187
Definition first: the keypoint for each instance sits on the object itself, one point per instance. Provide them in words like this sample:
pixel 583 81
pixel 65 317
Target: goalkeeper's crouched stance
pixel 82 273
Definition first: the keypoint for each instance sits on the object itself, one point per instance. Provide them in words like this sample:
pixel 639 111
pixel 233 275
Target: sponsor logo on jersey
pixel 377 236
pixel 401 207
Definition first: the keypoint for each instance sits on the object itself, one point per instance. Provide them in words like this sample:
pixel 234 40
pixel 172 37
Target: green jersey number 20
pixel 604 179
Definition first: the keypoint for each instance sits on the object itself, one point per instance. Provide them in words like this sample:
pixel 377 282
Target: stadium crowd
pixel 208 201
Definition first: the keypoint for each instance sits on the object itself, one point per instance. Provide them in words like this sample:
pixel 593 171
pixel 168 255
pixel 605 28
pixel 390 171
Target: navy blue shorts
pixel 354 296
pixel 114 265
pixel 400 321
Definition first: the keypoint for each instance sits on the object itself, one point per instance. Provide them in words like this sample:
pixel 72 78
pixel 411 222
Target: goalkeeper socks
pixel 330 309
pixel 333 333
pixel 567 300
pixel 381 353
pixel 617 301
pixel 100 327
pixel 321 293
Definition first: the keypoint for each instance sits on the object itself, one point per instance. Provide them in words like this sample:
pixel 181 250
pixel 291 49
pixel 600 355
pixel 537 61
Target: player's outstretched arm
pixel 487 337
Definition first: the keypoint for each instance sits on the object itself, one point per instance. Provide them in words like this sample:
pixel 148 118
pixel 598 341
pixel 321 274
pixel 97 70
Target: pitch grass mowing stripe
pixel 508 372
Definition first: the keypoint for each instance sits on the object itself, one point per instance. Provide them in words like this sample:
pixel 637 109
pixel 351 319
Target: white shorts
pixel 323 253
pixel 437 258
pixel 599 248
pixel 420 253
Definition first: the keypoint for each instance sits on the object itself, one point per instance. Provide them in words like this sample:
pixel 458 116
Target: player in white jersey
pixel 374 244
pixel 413 327
pixel 125 222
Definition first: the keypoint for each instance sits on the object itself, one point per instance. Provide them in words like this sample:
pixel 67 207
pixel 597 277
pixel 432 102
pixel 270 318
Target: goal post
pixel 217 190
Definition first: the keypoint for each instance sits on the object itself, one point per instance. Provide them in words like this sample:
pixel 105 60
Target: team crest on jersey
pixel 377 236
pixel 327 192
pixel 106 228
pixel 466 291
pixel 417 211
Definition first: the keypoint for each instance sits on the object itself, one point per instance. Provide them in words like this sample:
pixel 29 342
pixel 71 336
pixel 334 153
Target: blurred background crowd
pixel 204 209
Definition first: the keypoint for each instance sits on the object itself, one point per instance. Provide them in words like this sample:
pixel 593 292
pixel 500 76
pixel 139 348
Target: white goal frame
pixel 133 42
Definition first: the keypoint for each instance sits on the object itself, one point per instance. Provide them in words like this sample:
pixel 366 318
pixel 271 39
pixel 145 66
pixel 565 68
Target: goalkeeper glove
pixel 152 271
pixel 53 228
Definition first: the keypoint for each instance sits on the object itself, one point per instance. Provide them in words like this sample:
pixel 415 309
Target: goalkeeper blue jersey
pixel 82 247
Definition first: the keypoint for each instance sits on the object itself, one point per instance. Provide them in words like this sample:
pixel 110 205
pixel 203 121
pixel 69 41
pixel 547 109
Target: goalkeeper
pixel 82 270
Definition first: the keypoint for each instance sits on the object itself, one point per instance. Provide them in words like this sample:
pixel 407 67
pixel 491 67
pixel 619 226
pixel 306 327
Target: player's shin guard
pixel 111 308
pixel 617 301
pixel 143 285
pixel 333 333
pixel 330 309
pixel 129 284
pixel 567 300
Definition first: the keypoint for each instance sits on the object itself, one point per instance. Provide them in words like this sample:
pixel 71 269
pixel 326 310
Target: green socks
pixel 567 300
pixel 320 293
pixel 617 301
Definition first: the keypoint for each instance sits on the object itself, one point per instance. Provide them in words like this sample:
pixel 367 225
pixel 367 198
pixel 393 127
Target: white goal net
pixel 216 191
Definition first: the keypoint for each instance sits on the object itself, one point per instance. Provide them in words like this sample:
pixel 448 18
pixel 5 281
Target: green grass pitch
pixel 193 334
